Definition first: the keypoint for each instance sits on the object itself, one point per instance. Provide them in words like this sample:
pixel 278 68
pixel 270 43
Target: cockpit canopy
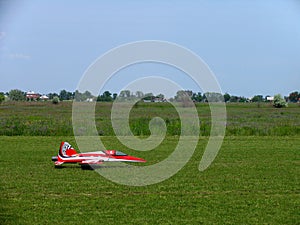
pixel 115 153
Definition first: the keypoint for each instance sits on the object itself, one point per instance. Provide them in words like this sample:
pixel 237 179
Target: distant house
pixel 44 97
pixel 89 100
pixel 157 99
pixel 153 99
pixel 32 96
pixel 270 98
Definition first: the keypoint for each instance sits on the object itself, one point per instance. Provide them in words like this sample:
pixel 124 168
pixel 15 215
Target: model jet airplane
pixel 67 154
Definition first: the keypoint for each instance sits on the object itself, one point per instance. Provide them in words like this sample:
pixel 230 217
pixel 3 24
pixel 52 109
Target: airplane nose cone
pixel 141 160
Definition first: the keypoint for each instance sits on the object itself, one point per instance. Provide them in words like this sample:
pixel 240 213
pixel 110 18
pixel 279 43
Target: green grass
pixel 243 119
pixel 253 180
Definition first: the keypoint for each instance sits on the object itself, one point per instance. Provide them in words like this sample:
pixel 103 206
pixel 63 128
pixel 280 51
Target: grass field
pixel 253 180
pixel 244 119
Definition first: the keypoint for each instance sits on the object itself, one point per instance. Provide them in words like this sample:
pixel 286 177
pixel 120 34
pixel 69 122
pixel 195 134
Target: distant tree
pixel 65 95
pixel 148 94
pixel 161 96
pixel 115 95
pixel 257 98
pixel 234 98
pixel 214 97
pixel 294 96
pixel 279 101
pixel 204 98
pixel 243 99
pixel 182 95
pixel 87 95
pixel 105 97
pixel 179 95
pixel 78 96
pixel 139 94
pixel 189 93
pixel 17 95
pixel 197 97
pixel 52 95
pixel 2 97
pixel 125 94
pixel 226 97
pixel 149 97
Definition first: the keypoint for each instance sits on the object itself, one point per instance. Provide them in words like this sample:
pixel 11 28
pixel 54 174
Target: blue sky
pixel 253 47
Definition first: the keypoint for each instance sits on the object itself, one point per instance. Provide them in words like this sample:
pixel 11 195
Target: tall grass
pixel 46 119
pixel 16 126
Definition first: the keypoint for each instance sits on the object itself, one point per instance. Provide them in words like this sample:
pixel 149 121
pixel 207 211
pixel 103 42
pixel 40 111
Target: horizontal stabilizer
pixel 57 163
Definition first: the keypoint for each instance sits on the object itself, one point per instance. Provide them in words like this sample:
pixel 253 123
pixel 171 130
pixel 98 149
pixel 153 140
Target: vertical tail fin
pixel 66 150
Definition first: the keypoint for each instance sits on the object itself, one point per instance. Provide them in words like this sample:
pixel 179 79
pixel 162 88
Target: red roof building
pixel 30 95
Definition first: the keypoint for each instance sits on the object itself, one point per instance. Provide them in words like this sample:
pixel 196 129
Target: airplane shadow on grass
pixel 89 167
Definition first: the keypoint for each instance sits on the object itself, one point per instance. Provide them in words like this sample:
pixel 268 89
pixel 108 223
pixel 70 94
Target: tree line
pixel 127 95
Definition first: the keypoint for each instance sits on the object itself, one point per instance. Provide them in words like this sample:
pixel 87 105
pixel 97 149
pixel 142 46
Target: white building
pixel 44 97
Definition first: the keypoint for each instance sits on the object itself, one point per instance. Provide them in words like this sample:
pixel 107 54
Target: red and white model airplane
pixel 67 154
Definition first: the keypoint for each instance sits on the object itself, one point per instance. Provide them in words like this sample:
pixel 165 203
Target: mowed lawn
pixel 253 180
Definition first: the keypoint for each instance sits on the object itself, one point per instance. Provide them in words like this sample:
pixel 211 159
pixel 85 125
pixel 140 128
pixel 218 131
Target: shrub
pixel 279 102
pixel 2 98
pixel 55 100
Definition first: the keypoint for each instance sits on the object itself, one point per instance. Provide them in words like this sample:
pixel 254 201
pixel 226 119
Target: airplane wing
pixel 91 161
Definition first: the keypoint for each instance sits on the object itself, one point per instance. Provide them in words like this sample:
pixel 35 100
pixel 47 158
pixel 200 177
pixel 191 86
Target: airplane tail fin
pixel 66 150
